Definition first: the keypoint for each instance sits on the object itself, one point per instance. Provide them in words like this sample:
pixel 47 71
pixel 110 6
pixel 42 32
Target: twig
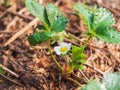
pixel 76 77
pixel 22 16
pixel 73 36
pixel 5 12
pixel 109 69
pixel 23 30
pixel 74 43
pixel 74 81
pixel 82 41
pixel 11 80
pixel 108 52
pixel 41 47
pixel 14 21
pixel 114 56
pixel 45 81
pixel 84 75
pixel 95 68
pixel 7 32
pixel 8 70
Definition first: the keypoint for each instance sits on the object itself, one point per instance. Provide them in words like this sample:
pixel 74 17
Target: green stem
pixel 54 59
pixel 86 42
pixel 70 69
pixel 66 59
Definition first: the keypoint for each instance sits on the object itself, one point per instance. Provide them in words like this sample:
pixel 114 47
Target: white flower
pixel 63 48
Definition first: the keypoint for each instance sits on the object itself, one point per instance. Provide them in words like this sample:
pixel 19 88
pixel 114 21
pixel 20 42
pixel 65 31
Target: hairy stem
pixel 86 42
pixel 54 59
pixel 66 59
pixel 70 69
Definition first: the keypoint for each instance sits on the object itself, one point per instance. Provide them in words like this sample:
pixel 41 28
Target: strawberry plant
pixel 98 20
pixel 53 22
pixel 52 19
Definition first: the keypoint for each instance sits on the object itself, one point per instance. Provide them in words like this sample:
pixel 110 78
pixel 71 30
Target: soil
pixel 31 67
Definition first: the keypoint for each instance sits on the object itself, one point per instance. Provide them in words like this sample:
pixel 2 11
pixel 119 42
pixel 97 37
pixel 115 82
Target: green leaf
pixel 109 35
pixel 57 20
pixel 102 19
pixel 52 19
pixel 38 38
pixel 112 81
pixel 38 11
pixel 2 71
pixel 102 23
pixel 93 85
pixel 40 27
pixel 78 56
pixel 77 53
pixel 79 66
pixel 85 13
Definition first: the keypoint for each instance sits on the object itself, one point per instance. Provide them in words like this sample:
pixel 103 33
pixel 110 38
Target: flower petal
pixel 62 45
pixel 57 50
pixel 69 46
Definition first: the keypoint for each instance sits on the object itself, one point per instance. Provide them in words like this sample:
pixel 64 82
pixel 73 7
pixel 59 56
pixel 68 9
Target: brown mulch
pixel 34 66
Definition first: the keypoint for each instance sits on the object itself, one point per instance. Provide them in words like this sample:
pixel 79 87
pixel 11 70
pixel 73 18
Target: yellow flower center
pixel 63 49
